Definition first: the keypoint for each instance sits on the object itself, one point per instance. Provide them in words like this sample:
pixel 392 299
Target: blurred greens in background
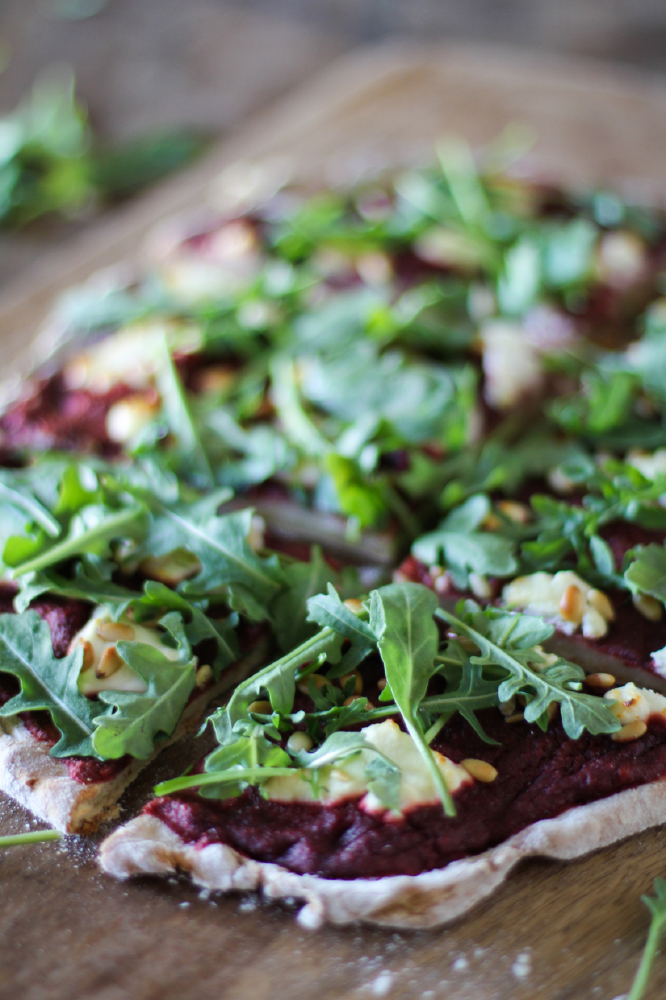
pixel 51 161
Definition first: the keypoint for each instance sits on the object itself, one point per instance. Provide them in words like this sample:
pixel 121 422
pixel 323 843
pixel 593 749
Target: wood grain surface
pixel 554 931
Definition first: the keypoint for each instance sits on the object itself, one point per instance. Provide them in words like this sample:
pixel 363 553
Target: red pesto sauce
pixel 540 775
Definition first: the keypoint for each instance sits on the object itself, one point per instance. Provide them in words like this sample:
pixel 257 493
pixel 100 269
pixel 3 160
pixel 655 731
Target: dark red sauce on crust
pixel 540 775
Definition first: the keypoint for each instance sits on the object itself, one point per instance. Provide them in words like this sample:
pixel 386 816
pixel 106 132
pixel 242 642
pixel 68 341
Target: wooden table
pixel 553 931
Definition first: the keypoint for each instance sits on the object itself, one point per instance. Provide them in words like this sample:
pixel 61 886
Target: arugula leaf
pixel 646 574
pixel 188 449
pixel 220 543
pixel 91 531
pixel 408 641
pixel 139 718
pixel 289 610
pixel 465 549
pixel 472 693
pixel 278 679
pixel 511 641
pixel 330 612
pixel 197 625
pixel 657 907
pixel 47 683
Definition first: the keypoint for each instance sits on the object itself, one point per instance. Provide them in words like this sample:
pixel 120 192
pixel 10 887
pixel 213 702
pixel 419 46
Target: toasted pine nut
pixel 88 655
pixel 602 604
pixel 508 707
pixel 319 680
pixel 600 680
pixel 260 707
pixel 381 683
pixel 572 604
pixel 110 663
pixel 435 571
pixel 481 770
pixel 516 717
pixel 204 675
pixel 298 741
pixel 649 607
pixel 354 605
pixel 632 731
pixel 358 681
pixel 491 522
pixel 516 512
pixel 115 631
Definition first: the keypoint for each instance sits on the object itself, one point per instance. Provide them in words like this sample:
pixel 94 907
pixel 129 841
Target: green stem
pixel 110 527
pixel 34 837
pixel 249 774
pixel 414 731
pixel 643 974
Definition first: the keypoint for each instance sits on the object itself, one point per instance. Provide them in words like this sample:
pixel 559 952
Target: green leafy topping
pixel 657 906
pixel 408 641
pixel 647 573
pixel 33 837
pixel 512 642
pixel 47 683
pixel 138 719
pixel 460 546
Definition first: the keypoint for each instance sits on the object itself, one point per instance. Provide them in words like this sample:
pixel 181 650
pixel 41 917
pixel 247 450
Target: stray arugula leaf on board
pixel 657 906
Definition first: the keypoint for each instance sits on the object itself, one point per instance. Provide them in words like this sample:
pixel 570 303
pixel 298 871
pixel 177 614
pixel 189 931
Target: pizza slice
pixel 403 793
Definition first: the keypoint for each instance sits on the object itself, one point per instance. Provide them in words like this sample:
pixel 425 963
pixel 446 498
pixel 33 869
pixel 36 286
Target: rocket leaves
pixel 647 573
pixel 138 719
pixel 47 683
pixel 408 640
pixel 512 642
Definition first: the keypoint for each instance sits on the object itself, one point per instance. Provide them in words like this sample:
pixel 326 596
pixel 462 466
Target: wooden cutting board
pixel 554 931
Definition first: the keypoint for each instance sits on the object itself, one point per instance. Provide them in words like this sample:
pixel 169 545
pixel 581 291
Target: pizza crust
pixel 146 845
pixel 42 783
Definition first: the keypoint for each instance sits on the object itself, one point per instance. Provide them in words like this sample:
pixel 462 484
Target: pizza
pixel 388 463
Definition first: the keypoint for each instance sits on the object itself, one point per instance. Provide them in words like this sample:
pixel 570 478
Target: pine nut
pixel 115 631
pixel 88 655
pixel 298 741
pixel 516 717
pixel 572 604
pixel 481 770
pixel 516 512
pixel 632 731
pixel 354 605
pixel 110 663
pixel 508 707
pixel 553 710
pixel 260 707
pixel 649 607
pixel 600 680
pixel 381 683
pixel 435 571
pixel 204 675
pixel 602 604
pixel 358 681
pixel 480 586
pixel 319 680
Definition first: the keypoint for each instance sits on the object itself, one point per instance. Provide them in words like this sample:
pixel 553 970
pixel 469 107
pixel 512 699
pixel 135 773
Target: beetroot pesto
pixel 540 775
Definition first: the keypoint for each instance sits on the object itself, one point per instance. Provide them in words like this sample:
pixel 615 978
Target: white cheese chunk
pixel 632 703
pixel 649 465
pixel 512 366
pixel 543 594
pixel 347 779
pixel 131 355
pixel 659 661
pixel 124 678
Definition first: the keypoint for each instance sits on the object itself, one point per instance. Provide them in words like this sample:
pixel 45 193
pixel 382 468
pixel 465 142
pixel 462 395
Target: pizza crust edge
pixel 41 783
pixel 146 845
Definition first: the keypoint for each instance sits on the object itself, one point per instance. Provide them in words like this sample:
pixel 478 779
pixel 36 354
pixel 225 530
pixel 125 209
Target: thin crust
pixel 42 783
pixel 146 845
